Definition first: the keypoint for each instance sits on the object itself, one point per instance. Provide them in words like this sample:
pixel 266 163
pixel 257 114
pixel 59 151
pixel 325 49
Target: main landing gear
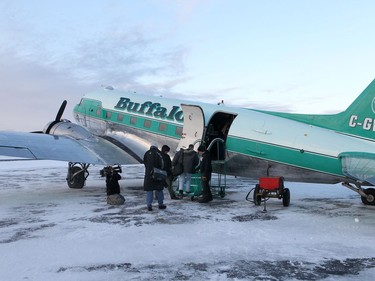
pixel 367 194
pixel 77 174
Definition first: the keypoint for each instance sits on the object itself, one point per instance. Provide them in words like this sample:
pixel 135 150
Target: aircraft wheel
pixel 78 181
pixel 286 197
pixel 257 198
pixel 370 199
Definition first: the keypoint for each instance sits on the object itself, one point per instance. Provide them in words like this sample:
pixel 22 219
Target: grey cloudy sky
pixel 300 56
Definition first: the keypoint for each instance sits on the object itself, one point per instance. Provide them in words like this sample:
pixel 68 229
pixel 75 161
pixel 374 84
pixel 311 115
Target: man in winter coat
pixel 206 171
pixel 153 159
pixel 168 168
pixel 189 160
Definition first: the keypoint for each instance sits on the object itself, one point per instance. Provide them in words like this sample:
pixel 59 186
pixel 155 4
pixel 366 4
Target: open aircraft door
pixel 216 134
pixel 193 129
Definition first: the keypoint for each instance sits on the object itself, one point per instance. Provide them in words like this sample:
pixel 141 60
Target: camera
pixel 110 170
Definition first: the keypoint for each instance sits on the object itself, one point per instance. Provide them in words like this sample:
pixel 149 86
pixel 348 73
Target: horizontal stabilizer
pixel 359 166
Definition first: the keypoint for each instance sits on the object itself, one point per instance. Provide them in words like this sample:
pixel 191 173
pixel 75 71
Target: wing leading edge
pixel 63 148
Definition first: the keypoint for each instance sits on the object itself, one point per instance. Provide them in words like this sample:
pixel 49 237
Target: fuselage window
pixel 120 117
pixel 163 127
pixel 147 123
pixel 133 120
pixel 109 115
pixel 99 112
pixel 179 131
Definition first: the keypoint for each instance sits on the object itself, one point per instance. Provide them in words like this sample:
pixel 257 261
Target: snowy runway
pixel 51 232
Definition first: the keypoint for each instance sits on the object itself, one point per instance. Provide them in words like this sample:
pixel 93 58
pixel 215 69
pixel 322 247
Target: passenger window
pixel 109 115
pixel 120 117
pixel 147 123
pixel 133 120
pixel 163 127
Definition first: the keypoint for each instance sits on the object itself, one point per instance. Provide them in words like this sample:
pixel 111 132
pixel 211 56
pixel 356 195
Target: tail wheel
pixel 370 199
pixel 76 177
pixel 286 197
pixel 257 198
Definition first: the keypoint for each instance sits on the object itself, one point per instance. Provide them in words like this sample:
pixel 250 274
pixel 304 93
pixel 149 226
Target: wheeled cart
pixel 217 187
pixel 270 187
pixel 195 187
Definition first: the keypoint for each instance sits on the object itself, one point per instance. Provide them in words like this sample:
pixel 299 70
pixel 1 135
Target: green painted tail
pixel 357 120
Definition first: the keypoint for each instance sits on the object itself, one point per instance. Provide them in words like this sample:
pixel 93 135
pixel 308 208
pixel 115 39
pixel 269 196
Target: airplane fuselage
pixel 254 140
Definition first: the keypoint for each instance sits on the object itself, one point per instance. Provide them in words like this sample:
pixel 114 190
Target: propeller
pixel 57 119
pixel 61 111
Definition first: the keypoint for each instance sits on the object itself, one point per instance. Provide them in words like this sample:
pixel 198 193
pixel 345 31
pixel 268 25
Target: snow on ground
pixel 51 232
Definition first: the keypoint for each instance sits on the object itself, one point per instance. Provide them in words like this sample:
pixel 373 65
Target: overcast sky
pixel 292 55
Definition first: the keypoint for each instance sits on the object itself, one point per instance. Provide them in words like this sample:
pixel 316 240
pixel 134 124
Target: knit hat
pixel 201 148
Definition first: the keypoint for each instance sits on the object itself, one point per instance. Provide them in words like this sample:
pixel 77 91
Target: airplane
pixel 117 127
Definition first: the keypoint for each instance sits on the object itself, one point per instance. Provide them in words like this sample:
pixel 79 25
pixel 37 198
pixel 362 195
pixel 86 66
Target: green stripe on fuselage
pixel 90 108
pixel 285 155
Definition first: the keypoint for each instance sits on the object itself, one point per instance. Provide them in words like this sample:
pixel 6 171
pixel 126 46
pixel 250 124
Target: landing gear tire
pixel 77 181
pixel 257 198
pixel 286 197
pixel 370 199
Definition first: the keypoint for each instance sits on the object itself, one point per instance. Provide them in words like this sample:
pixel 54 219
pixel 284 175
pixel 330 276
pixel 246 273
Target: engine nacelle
pixel 66 128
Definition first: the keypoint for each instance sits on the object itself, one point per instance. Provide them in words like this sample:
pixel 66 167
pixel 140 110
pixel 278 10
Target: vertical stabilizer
pixel 359 118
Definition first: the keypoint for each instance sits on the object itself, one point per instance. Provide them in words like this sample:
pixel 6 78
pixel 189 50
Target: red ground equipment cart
pixel 270 187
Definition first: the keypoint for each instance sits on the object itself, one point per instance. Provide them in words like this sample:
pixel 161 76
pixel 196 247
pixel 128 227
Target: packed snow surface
pixel 51 232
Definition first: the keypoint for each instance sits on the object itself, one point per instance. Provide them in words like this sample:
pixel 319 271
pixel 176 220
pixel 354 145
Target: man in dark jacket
pixel 206 171
pixel 190 160
pixel 153 159
pixel 168 168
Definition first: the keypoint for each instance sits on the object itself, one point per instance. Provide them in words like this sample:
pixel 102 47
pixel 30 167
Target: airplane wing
pixel 359 165
pixel 93 150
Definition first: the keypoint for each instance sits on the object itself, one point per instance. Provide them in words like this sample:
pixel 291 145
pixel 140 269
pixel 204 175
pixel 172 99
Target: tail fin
pixel 357 120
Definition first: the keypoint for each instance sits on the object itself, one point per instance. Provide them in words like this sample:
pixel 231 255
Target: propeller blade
pixel 61 111
pixel 58 117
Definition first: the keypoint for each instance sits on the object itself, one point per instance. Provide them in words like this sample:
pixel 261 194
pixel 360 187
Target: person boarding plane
pixel 116 127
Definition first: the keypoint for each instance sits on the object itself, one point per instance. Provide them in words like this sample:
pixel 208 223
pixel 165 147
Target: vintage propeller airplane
pixel 116 127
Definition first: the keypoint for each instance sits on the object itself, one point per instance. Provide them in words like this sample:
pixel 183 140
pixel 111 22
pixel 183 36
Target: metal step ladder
pixel 218 181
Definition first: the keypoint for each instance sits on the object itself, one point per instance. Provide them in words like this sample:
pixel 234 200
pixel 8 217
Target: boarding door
pixel 193 129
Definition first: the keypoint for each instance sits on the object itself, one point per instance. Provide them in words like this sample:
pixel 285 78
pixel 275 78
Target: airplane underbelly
pixel 253 167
